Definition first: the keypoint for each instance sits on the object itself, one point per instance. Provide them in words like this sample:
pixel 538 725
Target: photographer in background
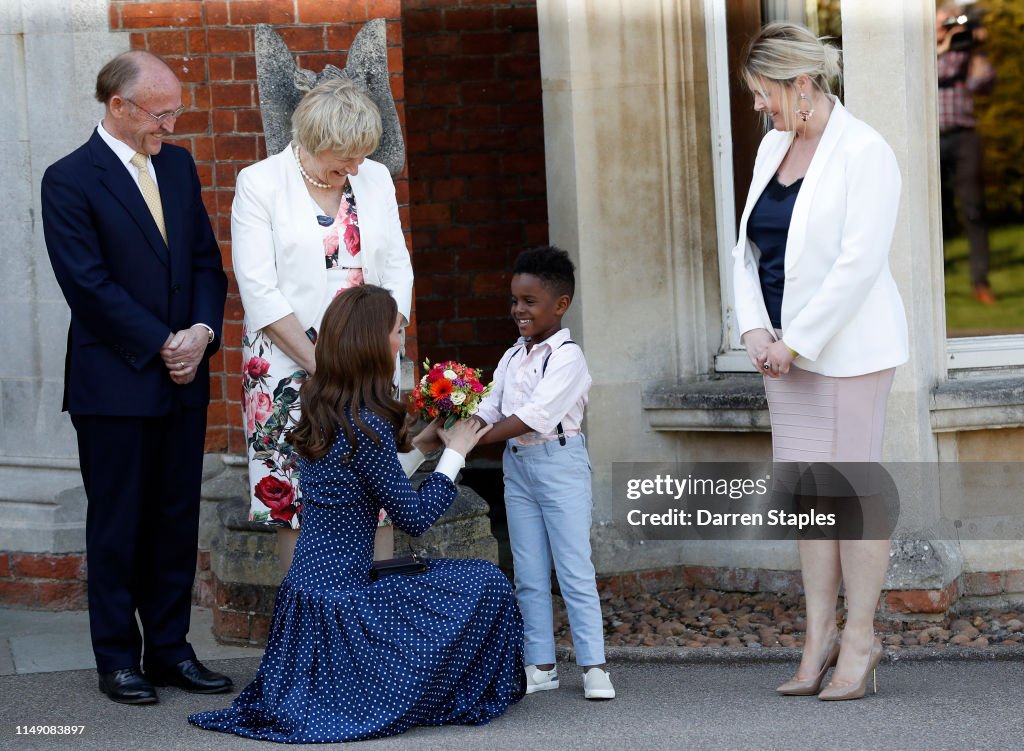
pixel 963 71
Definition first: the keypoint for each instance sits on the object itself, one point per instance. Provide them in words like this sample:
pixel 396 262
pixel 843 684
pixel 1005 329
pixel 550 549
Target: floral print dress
pixel 271 381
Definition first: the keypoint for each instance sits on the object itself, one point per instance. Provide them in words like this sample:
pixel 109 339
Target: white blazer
pixel 277 245
pixel 840 309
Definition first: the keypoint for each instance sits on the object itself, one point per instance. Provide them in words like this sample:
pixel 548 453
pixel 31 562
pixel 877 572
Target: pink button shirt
pixel 541 402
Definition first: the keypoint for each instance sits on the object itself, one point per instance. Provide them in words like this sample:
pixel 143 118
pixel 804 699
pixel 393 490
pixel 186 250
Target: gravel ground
pixel 707 618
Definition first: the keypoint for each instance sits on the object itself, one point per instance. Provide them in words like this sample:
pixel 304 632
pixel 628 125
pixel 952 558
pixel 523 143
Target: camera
pixel 963 40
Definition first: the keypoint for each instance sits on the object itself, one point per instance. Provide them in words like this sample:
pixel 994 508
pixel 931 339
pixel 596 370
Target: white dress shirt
pixel 124 152
pixel 541 400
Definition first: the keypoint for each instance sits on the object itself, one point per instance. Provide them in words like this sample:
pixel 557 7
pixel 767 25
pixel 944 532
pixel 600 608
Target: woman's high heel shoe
pixel 811 686
pixel 858 689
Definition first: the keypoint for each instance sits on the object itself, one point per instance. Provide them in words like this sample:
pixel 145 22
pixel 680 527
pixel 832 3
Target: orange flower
pixel 441 388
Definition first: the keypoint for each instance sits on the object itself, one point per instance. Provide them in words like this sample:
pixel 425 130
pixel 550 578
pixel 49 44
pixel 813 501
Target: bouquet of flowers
pixel 450 390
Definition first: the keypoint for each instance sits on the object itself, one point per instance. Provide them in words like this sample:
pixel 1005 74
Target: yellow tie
pixel 150 192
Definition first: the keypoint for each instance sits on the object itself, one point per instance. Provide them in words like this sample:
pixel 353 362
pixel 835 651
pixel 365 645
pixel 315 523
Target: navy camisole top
pixel 767 228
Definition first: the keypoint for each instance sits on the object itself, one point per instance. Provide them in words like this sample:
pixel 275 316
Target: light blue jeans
pixel 548 503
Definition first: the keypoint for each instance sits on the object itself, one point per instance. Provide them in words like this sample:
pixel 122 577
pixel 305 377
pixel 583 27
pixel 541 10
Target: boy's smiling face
pixel 536 309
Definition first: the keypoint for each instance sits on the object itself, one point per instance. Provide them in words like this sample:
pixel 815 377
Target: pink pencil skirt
pixel 818 418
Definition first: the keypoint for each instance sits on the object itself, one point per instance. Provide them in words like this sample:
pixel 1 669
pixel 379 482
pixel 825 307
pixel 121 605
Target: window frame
pixel 961 353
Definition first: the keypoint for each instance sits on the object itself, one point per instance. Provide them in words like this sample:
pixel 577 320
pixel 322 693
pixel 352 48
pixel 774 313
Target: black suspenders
pixel 543 369
pixel 558 429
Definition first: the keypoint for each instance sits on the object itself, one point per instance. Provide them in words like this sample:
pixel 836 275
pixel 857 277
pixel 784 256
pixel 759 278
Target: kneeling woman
pixel 348 659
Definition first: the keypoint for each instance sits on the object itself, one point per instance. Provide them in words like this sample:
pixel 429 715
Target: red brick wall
pixel 476 165
pixel 43 581
pixel 210 46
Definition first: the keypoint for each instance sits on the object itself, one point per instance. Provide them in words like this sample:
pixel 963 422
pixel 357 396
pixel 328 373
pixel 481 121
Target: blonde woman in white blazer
pixel 821 319
pixel 306 224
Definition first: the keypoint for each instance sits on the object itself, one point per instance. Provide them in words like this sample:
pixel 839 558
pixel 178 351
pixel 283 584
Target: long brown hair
pixel 354 370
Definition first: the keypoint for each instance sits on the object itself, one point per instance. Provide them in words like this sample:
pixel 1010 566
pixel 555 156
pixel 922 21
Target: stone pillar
pixel 631 197
pixel 50 51
pixel 889 60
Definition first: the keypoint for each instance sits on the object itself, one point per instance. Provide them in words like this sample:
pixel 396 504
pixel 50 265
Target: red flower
pixel 284 514
pixel 277 495
pixel 352 239
pixel 257 367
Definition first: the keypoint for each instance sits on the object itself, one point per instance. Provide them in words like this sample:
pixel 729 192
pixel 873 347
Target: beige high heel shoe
pixel 811 686
pixel 858 689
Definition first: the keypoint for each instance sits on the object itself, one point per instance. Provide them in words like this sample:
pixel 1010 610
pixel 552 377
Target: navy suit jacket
pixel 127 288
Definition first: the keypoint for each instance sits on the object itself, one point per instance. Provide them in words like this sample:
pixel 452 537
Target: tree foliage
pixel 1001 113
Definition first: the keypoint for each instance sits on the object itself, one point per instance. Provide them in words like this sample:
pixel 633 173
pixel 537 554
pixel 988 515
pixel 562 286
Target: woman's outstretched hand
pixel 428 440
pixel 463 435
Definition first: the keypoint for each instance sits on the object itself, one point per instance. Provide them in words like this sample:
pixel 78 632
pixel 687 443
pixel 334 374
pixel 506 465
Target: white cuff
pixel 450 463
pixel 411 461
pixel 209 331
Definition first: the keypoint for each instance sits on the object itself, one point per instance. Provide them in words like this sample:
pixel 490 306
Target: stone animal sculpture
pixel 282 83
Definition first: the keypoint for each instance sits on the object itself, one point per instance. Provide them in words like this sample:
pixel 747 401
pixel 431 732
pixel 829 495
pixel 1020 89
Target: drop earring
pixel 803 108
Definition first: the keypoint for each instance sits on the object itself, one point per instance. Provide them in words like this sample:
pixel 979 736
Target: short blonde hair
pixel 783 51
pixel 337 116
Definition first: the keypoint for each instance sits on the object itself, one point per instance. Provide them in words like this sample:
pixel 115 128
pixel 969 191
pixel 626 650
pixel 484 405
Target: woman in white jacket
pixel 306 224
pixel 822 319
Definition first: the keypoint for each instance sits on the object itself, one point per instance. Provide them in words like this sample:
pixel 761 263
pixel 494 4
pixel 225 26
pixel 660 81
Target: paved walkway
pixel 34 641
pixel 719 702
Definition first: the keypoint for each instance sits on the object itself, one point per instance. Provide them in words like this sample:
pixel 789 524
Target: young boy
pixel 536 406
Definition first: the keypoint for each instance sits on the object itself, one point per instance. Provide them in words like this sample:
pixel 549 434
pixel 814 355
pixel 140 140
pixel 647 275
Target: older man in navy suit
pixel 132 249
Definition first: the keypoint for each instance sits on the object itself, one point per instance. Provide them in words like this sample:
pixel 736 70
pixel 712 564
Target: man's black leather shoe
pixel 128 686
pixel 191 676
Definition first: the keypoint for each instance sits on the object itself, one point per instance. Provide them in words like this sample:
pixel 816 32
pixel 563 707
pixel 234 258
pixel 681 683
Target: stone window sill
pixel 736 403
pixel 729 403
pixel 978 404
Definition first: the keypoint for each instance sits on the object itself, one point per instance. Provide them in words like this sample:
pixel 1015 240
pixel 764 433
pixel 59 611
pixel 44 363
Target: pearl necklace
pixel 310 180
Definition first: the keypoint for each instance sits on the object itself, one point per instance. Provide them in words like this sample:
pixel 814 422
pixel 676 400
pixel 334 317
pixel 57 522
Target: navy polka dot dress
pixel 348 659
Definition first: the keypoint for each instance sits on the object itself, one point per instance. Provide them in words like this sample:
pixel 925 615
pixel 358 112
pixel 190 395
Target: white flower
pixel 457 398
pixel 474 409
pixel 451 375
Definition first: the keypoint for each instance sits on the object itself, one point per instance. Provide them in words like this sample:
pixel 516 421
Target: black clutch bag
pixel 406 565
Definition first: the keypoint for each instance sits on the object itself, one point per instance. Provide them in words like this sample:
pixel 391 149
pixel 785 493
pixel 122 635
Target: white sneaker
pixel 540 680
pixel 597 684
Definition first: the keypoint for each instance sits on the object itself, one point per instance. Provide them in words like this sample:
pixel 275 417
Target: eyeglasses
pixel 162 118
